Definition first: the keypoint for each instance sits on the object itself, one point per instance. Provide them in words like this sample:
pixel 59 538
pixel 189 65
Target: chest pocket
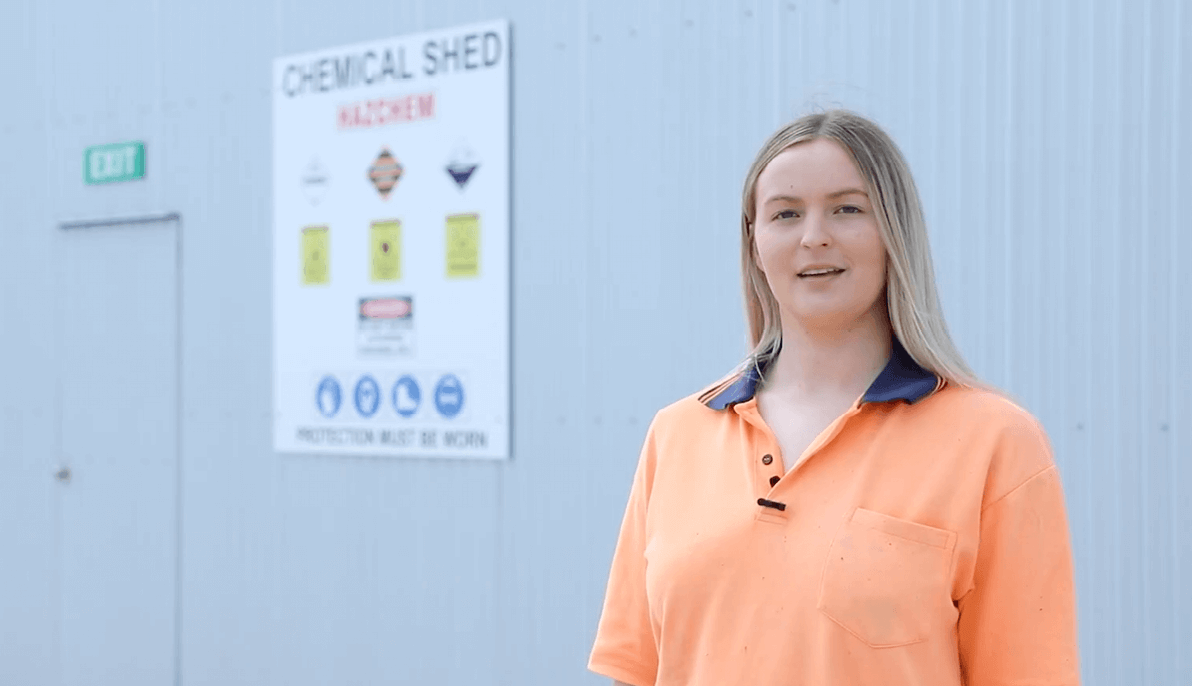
pixel 885 579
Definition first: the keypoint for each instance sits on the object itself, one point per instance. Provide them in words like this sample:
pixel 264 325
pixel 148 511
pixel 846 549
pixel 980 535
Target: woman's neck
pixel 830 361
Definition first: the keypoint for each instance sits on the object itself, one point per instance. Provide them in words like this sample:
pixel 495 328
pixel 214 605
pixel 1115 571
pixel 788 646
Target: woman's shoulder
pixel 698 407
pixel 992 424
pixel 684 413
pixel 990 407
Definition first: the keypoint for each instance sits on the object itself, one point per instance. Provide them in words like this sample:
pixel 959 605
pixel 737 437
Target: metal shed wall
pixel 1048 141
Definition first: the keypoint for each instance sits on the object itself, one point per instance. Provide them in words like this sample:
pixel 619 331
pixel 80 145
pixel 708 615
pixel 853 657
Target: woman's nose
pixel 815 233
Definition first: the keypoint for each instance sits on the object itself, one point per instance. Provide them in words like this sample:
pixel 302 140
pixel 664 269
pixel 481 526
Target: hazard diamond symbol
pixel 462 165
pixel 385 172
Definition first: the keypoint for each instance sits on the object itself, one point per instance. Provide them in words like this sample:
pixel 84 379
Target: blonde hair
pixel 915 313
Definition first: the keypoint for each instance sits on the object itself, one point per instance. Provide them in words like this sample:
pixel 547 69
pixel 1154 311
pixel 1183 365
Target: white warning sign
pixel 391 246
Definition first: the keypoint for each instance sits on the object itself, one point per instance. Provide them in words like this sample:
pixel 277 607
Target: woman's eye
pixel 785 214
pixel 850 209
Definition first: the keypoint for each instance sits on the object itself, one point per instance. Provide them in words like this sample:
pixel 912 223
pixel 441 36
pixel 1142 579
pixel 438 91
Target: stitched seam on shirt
pixel 915 540
pixel 629 667
pixel 1014 490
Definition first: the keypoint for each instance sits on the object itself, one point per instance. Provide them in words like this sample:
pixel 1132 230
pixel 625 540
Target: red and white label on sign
pixel 382 111
pixel 385 308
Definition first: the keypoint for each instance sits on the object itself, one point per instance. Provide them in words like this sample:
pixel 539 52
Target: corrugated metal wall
pixel 1048 140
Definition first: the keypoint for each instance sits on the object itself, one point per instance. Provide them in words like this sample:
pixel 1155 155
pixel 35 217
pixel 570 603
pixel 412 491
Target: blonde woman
pixel 852 506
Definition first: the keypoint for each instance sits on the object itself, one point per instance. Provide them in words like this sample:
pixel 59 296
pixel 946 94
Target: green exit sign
pixel 116 162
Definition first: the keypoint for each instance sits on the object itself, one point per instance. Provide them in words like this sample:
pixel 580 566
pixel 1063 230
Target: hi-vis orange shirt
pixel 921 540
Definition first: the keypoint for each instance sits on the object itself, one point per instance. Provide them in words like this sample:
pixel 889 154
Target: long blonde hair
pixel 915 313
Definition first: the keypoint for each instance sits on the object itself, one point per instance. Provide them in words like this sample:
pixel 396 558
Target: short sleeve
pixel 625 649
pixel 1017 623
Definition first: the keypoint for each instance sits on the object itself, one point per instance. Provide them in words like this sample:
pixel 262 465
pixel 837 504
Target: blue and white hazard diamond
pixel 368 396
pixel 449 396
pixel 328 397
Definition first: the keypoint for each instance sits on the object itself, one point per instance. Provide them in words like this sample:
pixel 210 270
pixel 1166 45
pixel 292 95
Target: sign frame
pixel 427 226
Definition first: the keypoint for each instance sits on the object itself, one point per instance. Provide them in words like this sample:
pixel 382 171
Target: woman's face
pixel 814 215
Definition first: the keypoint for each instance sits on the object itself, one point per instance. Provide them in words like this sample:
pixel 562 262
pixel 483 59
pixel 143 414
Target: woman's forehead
pixel 816 168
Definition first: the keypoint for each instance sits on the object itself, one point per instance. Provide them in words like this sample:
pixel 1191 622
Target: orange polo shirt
pixel 922 540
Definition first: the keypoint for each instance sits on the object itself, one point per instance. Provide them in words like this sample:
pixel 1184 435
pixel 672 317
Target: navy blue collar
pixel 902 379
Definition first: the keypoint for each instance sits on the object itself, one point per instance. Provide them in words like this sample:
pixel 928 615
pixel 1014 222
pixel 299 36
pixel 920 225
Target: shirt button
pixel 773 481
pixel 767 459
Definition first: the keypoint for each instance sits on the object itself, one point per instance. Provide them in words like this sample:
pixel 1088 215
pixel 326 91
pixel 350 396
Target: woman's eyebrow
pixel 848 191
pixel 831 196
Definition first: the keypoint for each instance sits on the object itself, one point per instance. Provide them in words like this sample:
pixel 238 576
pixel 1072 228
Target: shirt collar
pixel 901 379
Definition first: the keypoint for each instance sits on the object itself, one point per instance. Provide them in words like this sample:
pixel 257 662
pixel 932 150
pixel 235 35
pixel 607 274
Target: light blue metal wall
pixel 1048 140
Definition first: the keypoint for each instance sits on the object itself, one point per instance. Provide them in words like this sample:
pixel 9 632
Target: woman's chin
pixel 826 318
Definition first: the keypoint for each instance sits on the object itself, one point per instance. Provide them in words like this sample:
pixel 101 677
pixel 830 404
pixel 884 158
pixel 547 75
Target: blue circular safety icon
pixel 406 396
pixel 368 396
pixel 449 396
pixel 327 396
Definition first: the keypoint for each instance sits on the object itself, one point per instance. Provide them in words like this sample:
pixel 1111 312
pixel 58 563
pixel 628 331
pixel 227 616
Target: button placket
pixel 764 467
pixel 771 510
pixel 768 460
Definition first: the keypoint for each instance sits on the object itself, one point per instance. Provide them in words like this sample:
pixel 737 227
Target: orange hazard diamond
pixel 385 172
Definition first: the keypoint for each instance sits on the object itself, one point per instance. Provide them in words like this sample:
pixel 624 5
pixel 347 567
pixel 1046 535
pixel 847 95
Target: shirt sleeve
pixel 1017 624
pixel 625 649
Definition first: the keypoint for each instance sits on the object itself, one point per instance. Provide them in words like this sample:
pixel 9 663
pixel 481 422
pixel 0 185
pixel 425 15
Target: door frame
pixel 150 219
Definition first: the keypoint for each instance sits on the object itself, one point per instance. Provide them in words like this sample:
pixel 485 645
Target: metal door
pixel 117 343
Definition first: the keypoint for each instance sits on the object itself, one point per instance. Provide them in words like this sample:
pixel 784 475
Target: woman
pixel 852 506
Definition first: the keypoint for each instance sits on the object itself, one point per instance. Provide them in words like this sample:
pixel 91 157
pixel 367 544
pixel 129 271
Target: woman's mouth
pixel 821 274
